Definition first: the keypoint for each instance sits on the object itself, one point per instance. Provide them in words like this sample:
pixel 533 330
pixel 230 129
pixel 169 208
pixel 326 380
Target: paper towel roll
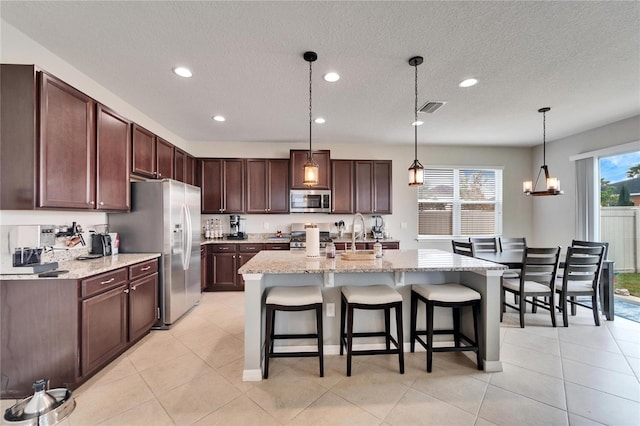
pixel 313 242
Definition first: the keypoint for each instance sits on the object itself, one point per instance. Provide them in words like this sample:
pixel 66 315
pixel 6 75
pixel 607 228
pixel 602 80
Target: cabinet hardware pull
pixel 146 268
pixel 91 203
pixel 126 290
pixel 133 288
pixel 102 203
pixel 108 281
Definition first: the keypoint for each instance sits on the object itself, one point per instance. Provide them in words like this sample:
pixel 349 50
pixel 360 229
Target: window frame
pixel 457 203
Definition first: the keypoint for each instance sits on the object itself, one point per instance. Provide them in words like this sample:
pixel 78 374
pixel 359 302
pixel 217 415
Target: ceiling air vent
pixel 431 106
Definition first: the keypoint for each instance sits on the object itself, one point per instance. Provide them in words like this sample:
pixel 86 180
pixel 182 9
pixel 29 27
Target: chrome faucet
pixel 353 230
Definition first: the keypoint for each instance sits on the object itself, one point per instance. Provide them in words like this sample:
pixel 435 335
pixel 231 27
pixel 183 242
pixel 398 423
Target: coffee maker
pixel 377 229
pixel 236 227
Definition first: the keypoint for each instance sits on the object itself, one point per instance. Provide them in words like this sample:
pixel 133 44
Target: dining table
pixel 514 260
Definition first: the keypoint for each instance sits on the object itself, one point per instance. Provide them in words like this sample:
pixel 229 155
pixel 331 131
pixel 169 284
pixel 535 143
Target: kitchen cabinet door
pixel 297 159
pixel 203 268
pixel 222 184
pixel 267 186
pixel 364 186
pixel 143 306
pixel 373 193
pixel 103 327
pixel 234 174
pixel 179 165
pixel 224 271
pixel 342 186
pixel 67 146
pixel 164 159
pixel 143 159
pixel 113 147
pixel 189 170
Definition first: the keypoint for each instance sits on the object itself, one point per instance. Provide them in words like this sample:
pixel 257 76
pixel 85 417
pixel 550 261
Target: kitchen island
pixel 398 268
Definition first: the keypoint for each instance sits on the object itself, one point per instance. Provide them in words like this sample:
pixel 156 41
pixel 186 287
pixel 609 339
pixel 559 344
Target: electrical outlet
pixel 266 225
pixel 403 225
pixel 331 309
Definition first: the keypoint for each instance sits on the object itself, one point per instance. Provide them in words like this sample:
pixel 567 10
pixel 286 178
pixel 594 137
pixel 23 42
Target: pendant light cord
pixel 415 120
pixel 310 116
pixel 544 137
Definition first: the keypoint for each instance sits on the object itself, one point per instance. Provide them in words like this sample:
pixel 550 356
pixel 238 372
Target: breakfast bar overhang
pixel 397 268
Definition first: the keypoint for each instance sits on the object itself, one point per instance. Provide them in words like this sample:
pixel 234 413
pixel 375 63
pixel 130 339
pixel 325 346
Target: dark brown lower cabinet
pixel 104 327
pixel 143 306
pixel 224 266
pixel 386 245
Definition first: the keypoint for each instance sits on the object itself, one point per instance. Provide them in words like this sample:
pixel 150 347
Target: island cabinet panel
pixel 342 173
pixel 143 159
pixel 373 193
pixel 179 165
pixel 267 186
pixel 297 160
pixel 223 183
pixel 67 146
pixel 104 327
pixel 113 146
pixel 164 159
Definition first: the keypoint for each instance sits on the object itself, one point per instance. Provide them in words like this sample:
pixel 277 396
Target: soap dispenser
pixel 377 248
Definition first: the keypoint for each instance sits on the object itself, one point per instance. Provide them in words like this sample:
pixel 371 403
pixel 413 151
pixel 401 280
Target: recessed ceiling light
pixel 468 82
pixel 331 77
pixel 417 123
pixel 319 120
pixel 183 72
pixel 219 118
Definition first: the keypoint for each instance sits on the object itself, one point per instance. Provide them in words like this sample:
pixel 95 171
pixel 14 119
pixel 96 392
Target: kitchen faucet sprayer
pixel 353 231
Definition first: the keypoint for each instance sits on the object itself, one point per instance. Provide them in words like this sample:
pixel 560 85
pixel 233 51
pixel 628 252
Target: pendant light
pixel 416 171
pixel 553 184
pixel 310 167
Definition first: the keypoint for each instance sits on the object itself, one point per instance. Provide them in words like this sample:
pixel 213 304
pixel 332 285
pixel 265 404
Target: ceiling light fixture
pixel 468 82
pixel 553 184
pixel 310 167
pixel 416 171
pixel 183 72
pixel 219 118
pixel 331 77
pixel 319 120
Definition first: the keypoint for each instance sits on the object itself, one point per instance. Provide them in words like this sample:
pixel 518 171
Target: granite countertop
pixel 422 260
pixel 79 269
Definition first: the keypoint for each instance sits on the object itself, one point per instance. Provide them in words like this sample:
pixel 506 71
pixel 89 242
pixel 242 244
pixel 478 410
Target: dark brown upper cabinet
pixel 373 193
pixel 267 186
pixel 298 158
pixel 113 147
pixel 223 185
pixel 342 186
pixel 179 164
pixel 164 159
pixel 189 170
pixel 143 159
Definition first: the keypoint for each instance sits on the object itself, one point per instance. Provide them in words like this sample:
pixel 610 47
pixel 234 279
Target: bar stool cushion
pixel 451 292
pixel 529 286
pixel 371 294
pixel 294 296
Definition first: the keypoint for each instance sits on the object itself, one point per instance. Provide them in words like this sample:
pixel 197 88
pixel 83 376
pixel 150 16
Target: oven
pixel 310 201
pixel 299 236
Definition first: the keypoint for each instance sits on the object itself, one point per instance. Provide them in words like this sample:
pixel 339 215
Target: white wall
pixel 554 217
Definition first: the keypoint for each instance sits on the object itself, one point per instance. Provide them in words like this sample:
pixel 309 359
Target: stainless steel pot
pixel 44 408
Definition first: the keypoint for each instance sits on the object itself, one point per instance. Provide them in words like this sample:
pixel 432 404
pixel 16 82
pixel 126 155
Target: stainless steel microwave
pixel 310 201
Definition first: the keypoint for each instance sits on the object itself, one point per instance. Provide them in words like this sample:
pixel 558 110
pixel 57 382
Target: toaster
pixel 101 244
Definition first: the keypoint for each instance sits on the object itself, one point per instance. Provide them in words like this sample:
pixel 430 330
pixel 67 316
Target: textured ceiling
pixel 580 58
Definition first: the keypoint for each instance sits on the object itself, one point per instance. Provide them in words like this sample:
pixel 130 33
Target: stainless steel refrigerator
pixel 165 218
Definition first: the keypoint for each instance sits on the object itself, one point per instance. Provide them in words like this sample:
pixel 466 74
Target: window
pixel 457 202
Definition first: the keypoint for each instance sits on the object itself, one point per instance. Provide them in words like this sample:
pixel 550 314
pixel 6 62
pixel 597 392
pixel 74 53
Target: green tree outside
pixel 608 196
pixel 624 199
pixel 633 171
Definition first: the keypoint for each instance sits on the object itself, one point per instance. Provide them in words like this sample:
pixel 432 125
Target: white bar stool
pixel 303 298
pixel 371 298
pixel 455 296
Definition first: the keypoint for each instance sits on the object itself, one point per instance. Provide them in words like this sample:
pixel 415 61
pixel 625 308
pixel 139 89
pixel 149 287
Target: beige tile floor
pixel 191 374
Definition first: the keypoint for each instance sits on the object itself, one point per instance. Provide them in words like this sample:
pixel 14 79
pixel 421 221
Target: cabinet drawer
pixel 141 269
pixel 250 248
pixel 391 246
pixel 223 248
pixel 102 282
pixel 276 246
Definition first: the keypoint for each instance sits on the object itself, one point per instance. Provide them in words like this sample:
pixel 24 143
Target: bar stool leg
pixel 349 338
pixel 270 314
pixel 399 332
pixel 456 326
pixel 429 336
pixel 476 331
pixel 387 327
pixel 320 338
pixel 343 311
pixel 414 314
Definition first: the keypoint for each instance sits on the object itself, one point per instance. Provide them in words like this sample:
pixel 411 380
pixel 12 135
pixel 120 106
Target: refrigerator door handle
pixel 189 238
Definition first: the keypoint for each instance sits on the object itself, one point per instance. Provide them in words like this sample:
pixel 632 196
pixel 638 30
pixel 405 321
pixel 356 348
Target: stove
pixel 299 236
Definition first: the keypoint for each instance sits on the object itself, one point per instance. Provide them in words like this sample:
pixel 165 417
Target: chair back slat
pixel 540 265
pixel 463 247
pixel 512 243
pixel 578 243
pixel 484 245
pixel 583 264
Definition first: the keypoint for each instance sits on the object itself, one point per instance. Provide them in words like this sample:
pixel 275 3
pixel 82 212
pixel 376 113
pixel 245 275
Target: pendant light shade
pixel 553 183
pixel 310 167
pixel 416 171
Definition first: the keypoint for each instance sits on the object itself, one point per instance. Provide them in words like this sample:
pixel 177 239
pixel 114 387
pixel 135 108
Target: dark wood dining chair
pixel 463 247
pixel 581 243
pixel 512 244
pixel 539 267
pixel 484 244
pixel 581 278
